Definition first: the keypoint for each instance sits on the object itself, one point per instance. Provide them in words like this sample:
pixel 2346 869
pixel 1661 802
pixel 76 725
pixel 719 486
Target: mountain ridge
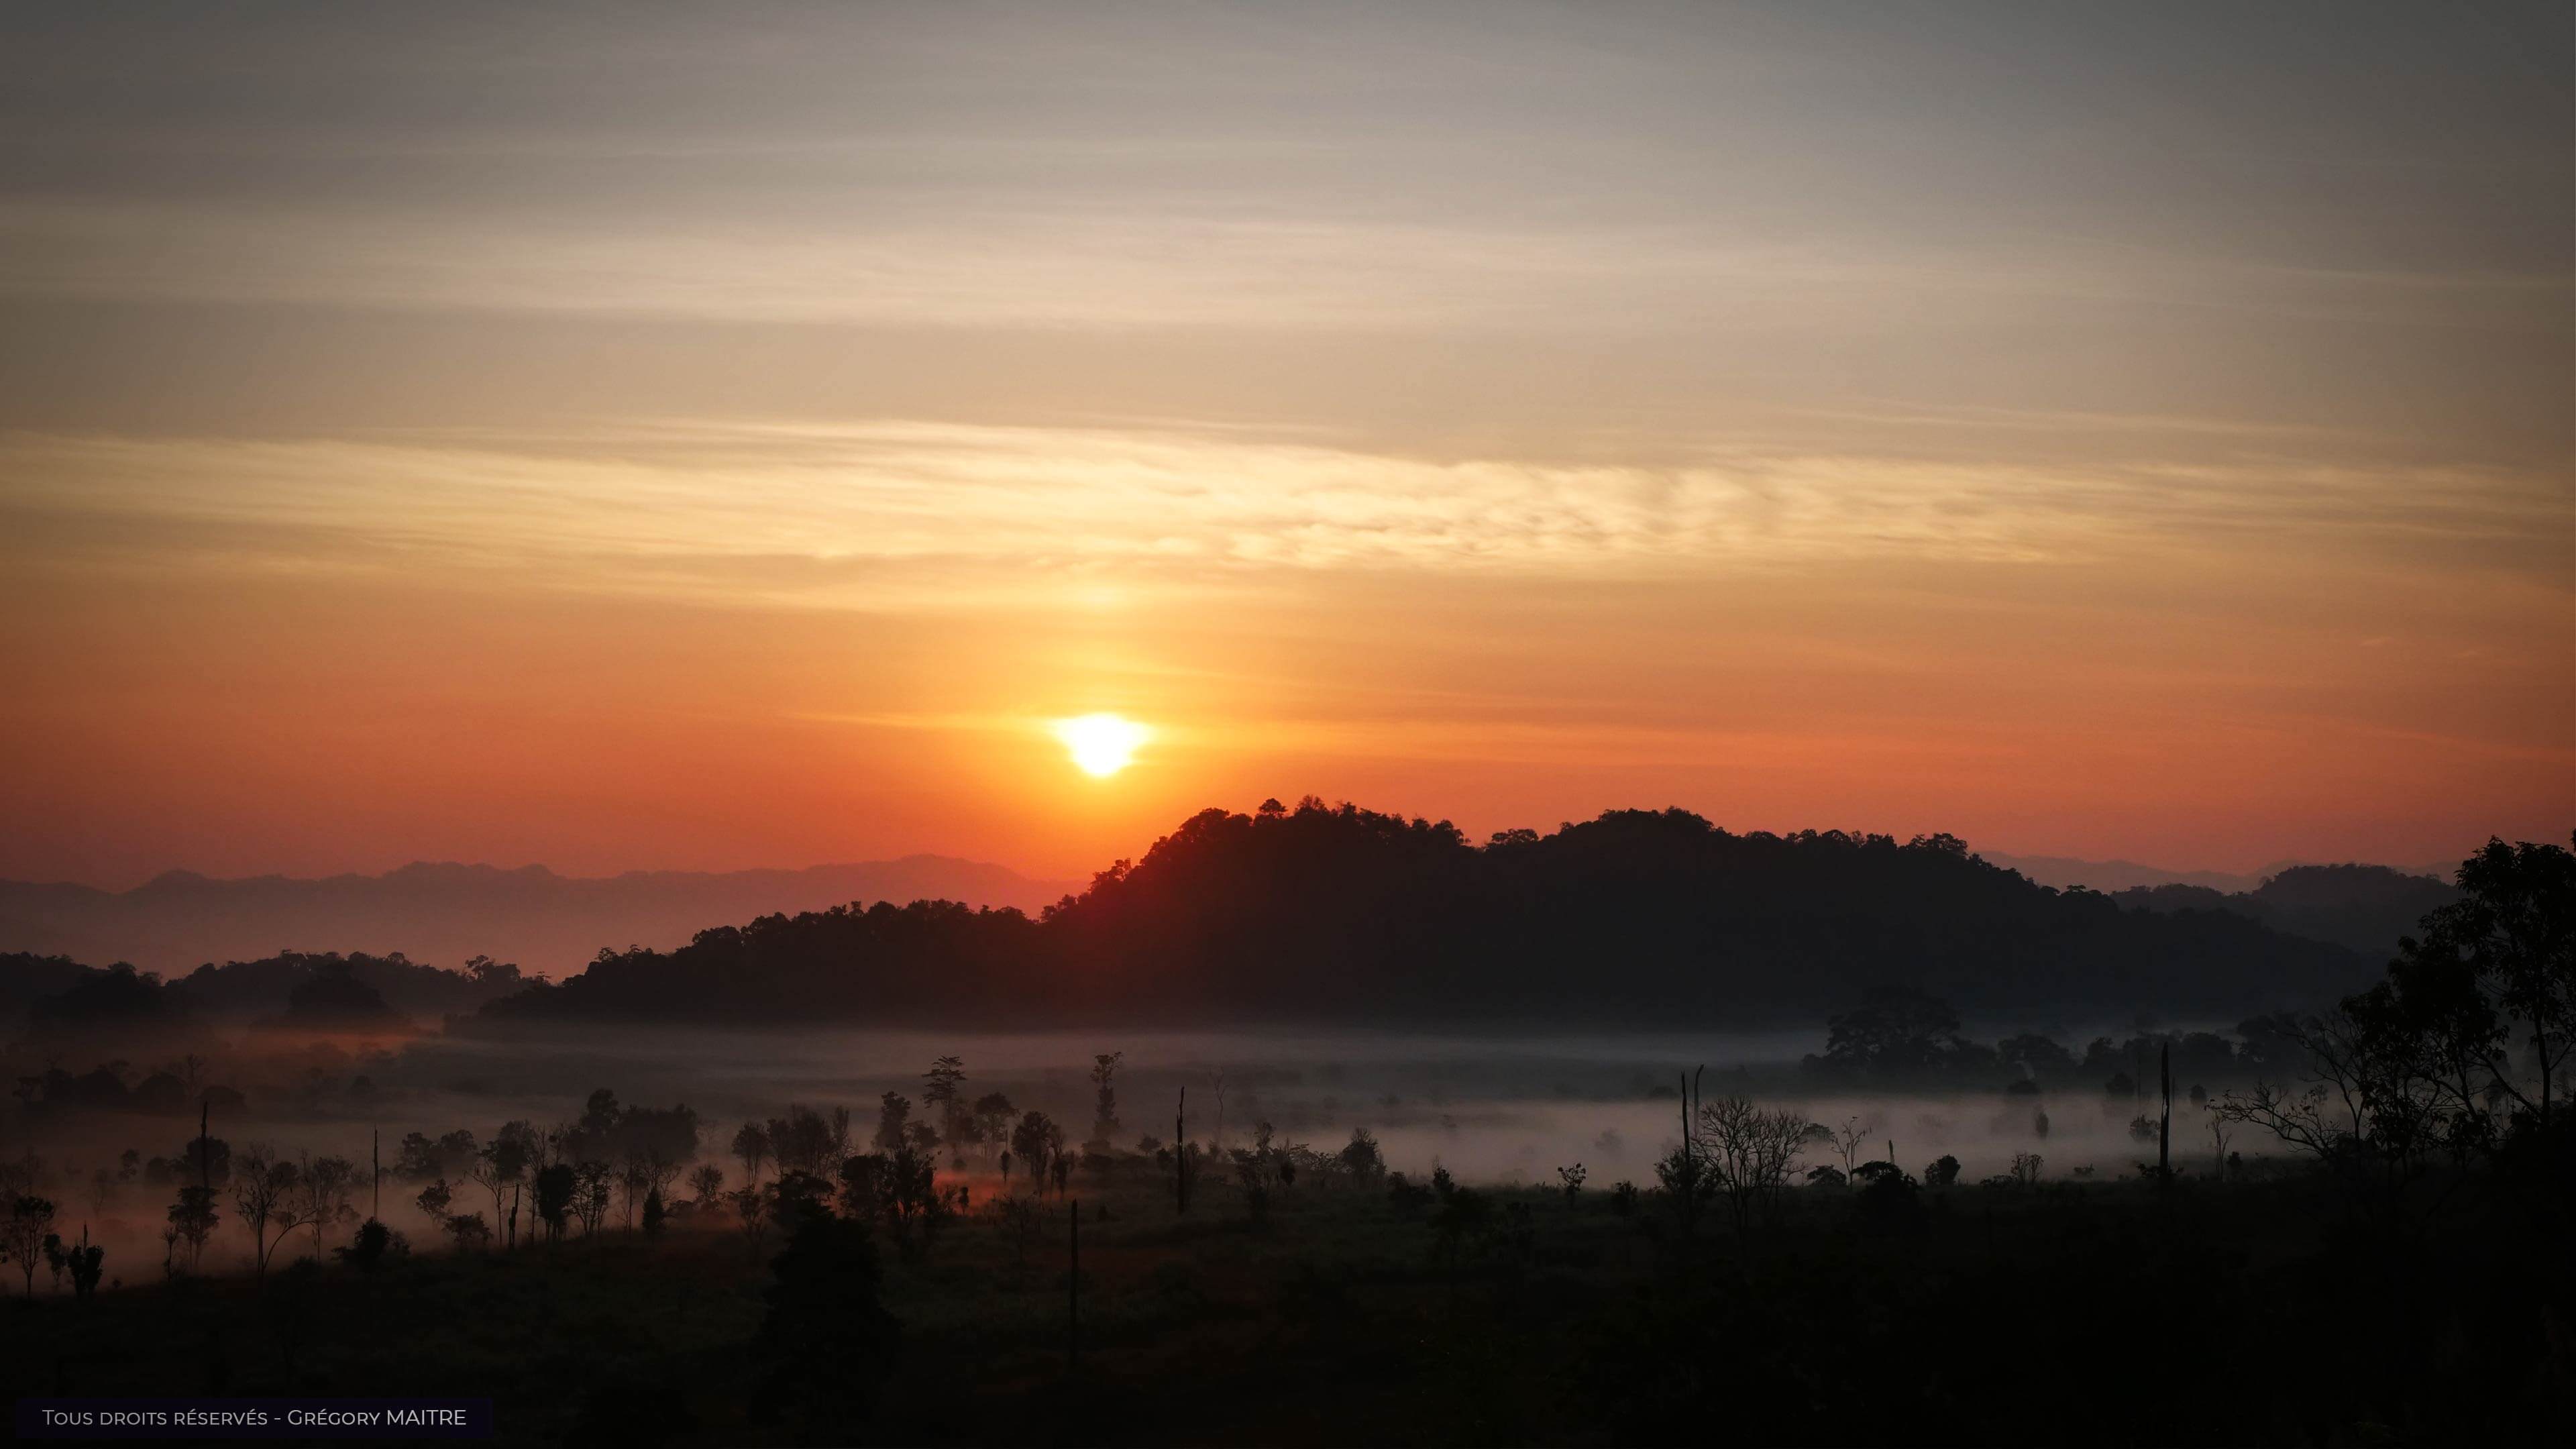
pixel 451 911
pixel 2062 871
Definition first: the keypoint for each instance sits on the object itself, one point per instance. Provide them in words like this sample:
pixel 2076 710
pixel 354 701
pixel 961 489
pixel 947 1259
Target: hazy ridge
pixel 447 913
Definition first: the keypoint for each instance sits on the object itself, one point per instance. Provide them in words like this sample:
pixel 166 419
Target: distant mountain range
pixel 445 913
pixel 2365 907
pixel 2122 875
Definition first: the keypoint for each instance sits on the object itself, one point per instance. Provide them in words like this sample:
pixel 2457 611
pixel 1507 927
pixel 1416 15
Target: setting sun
pixel 1101 744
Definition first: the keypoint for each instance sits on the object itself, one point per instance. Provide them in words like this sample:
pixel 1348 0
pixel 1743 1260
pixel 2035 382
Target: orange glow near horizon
pixel 745 461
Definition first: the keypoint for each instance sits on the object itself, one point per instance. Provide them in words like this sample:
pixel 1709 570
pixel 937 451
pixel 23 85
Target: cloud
pixel 939 514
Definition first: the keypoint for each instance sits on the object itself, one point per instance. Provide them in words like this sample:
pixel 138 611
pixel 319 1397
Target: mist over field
pixel 1490 1110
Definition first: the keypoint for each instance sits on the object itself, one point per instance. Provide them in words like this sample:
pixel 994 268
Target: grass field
pixel 2102 1312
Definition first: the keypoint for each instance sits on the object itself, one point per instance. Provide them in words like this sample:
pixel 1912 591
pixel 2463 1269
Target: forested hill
pixel 2366 907
pixel 1336 914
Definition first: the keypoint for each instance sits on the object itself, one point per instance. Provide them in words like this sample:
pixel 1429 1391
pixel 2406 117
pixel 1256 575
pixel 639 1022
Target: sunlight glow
pixel 1101 744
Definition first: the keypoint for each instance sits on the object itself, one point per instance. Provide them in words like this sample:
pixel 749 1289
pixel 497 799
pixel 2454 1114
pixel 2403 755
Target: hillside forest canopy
pixel 1318 913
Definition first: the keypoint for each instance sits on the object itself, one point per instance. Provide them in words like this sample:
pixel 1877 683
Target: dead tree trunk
pixel 2164 1124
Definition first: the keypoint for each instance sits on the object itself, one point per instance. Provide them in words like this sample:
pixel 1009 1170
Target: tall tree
pixel 2513 931
pixel 23 1233
pixel 324 1188
pixel 894 1114
pixel 1104 1074
pixel 943 1094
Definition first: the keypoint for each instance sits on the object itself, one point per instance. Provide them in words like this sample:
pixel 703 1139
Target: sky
pixel 705 437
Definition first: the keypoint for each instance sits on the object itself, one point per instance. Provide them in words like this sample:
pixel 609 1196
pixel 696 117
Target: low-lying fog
pixel 1495 1110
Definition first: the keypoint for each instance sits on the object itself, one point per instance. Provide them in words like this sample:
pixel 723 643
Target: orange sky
pixel 717 442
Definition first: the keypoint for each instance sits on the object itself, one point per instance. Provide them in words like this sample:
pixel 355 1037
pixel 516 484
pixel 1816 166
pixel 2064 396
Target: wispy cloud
pixel 1019 262
pixel 842 512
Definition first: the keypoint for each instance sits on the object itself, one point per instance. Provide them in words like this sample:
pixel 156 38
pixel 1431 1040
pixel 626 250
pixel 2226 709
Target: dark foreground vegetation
pixel 1360 1310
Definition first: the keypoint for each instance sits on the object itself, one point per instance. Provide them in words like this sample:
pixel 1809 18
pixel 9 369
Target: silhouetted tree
pixel 826 1343
pixel 322 1192
pixel 993 1112
pixel 1104 1113
pixel 751 1144
pixel 499 1166
pixel 1894 1029
pixel 84 1261
pixel 264 1187
pixel 942 1094
pixel 367 1250
pixel 592 1189
pixel 808 1141
pixel 23 1233
pixel 1035 1142
pixel 751 1213
pixel 705 1183
pixel 798 1195
pixel 1751 1153
pixel 633 1182
pixel 558 1189
pixel 2493 971
pixel 470 1231
pixel 192 1220
pixel 1361 1158
pixel 894 1114
pixel 1888 1200
pixel 421 1158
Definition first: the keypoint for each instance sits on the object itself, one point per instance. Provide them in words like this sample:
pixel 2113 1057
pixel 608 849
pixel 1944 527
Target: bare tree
pixel 591 1193
pixel 2369 1112
pixel 1848 1140
pixel 263 1186
pixel 634 1183
pixel 751 1212
pixel 324 1188
pixel 660 1171
pixel 1752 1152
pixel 495 1169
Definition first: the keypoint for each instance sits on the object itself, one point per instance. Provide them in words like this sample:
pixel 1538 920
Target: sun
pixel 1101 744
